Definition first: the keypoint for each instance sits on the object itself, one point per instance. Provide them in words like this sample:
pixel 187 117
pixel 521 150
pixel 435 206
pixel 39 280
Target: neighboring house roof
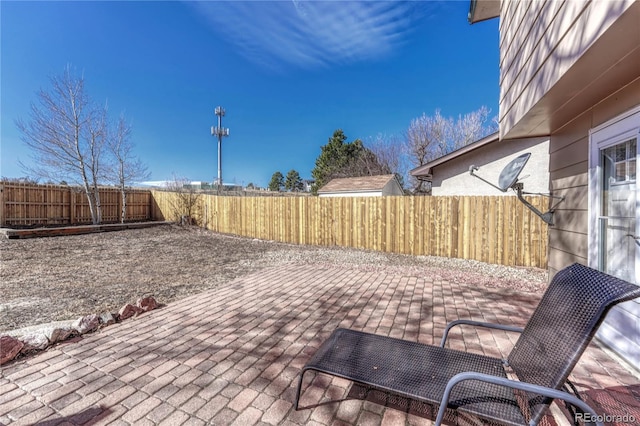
pixel 357 184
pixel 424 172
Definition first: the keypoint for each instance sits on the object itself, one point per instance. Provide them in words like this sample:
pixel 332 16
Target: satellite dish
pixel 508 179
pixel 509 175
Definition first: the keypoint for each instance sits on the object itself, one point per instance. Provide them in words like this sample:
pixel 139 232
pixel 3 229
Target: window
pixel 619 162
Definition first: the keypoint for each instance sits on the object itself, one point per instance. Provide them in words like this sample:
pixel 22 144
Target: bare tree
pixel 365 164
pixel 184 204
pixel 427 139
pixel 24 180
pixel 126 168
pixel 431 137
pixel 390 152
pixel 471 127
pixel 97 137
pixel 65 133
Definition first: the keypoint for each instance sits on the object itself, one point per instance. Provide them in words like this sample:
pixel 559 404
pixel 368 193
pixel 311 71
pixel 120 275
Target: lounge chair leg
pixel 304 370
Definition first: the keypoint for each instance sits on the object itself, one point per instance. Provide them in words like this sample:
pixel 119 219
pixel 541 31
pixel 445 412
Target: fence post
pixel 152 204
pixel 72 206
pixel 2 199
pixel 119 198
pixel 206 212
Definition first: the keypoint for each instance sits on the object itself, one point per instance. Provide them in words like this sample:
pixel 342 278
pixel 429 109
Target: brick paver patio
pixel 233 355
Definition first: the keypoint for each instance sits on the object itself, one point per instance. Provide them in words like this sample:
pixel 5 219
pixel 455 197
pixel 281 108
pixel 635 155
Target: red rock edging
pixel 13 347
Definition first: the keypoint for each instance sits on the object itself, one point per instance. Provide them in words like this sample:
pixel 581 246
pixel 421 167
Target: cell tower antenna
pixel 219 131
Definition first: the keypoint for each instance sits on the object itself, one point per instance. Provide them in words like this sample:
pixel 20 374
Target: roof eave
pixel 342 191
pixel 482 10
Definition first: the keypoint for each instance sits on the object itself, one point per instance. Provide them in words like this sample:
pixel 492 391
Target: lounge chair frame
pixel 549 346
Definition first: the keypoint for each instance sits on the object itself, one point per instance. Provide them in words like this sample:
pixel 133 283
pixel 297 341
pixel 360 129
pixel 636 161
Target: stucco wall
pixel 453 178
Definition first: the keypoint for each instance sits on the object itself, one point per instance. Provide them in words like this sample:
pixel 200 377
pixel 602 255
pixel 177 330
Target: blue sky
pixel 288 74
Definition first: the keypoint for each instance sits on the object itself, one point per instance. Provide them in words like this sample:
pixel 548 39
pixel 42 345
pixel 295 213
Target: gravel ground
pixel 60 278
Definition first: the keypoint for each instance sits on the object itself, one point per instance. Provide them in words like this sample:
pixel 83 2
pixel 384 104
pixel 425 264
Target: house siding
pixel 539 42
pixel 568 173
pixel 568 239
pixel 566 67
pixel 453 178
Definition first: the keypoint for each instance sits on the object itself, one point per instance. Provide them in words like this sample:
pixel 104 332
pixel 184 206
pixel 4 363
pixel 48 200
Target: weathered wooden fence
pixel 28 205
pixel 496 230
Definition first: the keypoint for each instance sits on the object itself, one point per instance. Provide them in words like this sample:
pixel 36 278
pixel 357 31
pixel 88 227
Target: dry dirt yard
pixel 61 278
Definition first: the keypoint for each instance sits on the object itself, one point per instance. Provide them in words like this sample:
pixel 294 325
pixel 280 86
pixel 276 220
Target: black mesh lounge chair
pixel 462 383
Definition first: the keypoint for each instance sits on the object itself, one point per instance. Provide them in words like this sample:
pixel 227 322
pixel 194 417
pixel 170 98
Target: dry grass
pixel 49 279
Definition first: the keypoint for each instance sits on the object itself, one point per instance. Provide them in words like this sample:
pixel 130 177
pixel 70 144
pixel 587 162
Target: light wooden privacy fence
pixel 496 230
pixel 28 205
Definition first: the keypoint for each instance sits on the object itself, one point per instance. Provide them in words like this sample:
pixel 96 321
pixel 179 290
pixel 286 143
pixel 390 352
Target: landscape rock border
pixel 12 346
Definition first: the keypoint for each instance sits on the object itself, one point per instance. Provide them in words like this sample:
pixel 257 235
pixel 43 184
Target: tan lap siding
pixel 538 47
pixel 568 167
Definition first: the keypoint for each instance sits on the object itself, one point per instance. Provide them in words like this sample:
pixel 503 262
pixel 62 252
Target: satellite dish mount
pixel 508 179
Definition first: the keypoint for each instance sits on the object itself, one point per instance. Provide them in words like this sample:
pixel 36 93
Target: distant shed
pixel 362 186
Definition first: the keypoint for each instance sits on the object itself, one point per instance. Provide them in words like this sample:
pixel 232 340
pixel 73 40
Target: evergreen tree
pixel 293 182
pixel 335 159
pixel 277 182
